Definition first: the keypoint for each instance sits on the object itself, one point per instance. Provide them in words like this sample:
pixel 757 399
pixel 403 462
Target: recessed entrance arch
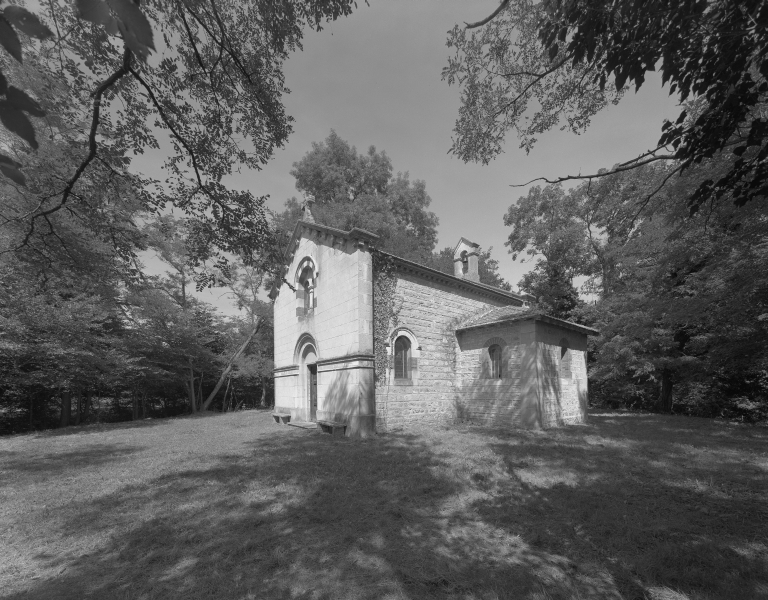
pixel 308 376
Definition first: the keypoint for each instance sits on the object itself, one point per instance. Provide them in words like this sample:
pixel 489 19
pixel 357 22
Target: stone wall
pixel 541 386
pixel 514 398
pixel 562 375
pixel 429 310
pixel 339 327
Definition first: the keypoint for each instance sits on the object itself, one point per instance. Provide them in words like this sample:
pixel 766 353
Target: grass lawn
pixel 237 507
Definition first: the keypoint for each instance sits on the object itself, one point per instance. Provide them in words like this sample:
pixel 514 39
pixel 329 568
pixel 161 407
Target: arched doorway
pixel 309 375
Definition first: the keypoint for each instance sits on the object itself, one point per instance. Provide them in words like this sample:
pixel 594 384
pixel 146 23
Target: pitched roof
pixel 402 263
pixel 493 315
pixel 511 314
pixel 467 242
pixel 434 274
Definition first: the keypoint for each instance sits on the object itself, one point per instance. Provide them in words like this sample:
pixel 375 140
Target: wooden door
pixel 312 392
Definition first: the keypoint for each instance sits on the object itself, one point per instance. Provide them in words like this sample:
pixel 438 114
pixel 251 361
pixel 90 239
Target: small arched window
pixel 464 262
pixel 307 283
pixel 402 358
pixel 494 355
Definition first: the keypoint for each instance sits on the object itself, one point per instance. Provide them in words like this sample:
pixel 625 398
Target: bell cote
pixel 465 260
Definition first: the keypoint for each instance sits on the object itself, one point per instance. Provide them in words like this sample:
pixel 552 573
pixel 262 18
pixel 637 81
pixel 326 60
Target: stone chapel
pixel 457 348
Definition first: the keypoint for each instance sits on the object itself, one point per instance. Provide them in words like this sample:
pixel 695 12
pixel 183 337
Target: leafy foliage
pixel 680 300
pixel 354 190
pixel 384 312
pixel 567 60
pixel 211 90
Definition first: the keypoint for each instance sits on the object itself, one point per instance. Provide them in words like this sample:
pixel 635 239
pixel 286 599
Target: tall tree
pixel 356 190
pixel 547 225
pixel 679 299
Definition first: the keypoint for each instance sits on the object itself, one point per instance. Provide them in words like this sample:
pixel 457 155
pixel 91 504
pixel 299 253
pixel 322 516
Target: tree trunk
pixel 144 406
pixel 228 368
pixel 226 391
pixel 191 390
pixel 665 398
pixel 31 412
pixel 76 416
pixel 66 408
pixel 239 404
pixel 135 405
pixel 263 403
pixel 86 407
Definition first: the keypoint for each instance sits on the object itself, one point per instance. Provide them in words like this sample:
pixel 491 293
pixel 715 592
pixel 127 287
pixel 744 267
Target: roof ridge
pixel 468 282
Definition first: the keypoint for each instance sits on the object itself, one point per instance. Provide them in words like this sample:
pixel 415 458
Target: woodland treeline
pixel 680 300
pixel 672 243
pixel 86 332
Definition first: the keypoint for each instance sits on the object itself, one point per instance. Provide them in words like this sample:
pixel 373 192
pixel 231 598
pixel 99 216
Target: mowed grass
pixel 236 507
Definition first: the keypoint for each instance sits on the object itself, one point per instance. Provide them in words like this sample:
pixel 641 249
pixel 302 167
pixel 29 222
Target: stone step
pixel 303 424
pixel 332 427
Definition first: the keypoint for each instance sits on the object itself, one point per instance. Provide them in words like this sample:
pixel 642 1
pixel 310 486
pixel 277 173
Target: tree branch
pixel 629 166
pixel 489 18
pixel 181 140
pixel 174 131
pixel 92 144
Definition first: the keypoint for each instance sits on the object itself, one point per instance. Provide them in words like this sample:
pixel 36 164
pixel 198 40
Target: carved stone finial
pixel 306 208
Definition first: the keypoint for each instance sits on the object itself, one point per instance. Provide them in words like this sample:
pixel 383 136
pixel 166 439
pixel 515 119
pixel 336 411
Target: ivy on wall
pixel 384 311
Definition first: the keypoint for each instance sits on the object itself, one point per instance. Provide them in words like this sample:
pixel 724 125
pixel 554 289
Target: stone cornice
pixel 337 360
pixel 348 358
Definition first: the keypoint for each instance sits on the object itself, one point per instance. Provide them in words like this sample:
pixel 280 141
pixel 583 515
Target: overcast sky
pixel 374 77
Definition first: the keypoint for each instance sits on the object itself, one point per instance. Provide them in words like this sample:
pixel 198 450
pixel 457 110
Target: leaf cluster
pixel 534 65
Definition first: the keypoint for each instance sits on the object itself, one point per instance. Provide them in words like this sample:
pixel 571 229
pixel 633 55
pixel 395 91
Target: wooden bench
pixel 281 417
pixel 332 427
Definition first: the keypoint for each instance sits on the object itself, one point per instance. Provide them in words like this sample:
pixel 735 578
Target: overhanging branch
pixel 92 144
pixel 619 169
pixel 489 18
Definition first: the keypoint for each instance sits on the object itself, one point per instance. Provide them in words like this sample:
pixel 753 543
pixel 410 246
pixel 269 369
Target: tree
pixel 214 89
pixel 548 225
pixel 568 60
pixel 680 299
pixel 553 290
pixel 355 190
pixel 253 333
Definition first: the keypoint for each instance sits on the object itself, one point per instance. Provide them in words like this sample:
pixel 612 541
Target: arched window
pixel 402 358
pixel 307 288
pixel 464 262
pixel 494 354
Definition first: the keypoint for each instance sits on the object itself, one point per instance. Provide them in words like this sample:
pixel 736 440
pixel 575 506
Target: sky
pixel 374 77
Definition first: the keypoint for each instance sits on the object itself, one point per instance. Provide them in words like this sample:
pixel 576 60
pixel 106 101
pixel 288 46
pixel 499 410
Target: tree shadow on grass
pixel 659 506
pixel 90 428
pixel 303 515
pixel 51 463
pixel 594 512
